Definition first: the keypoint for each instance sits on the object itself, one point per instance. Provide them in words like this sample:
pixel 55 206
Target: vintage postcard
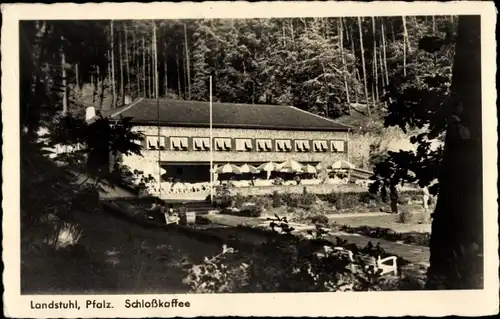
pixel 249 159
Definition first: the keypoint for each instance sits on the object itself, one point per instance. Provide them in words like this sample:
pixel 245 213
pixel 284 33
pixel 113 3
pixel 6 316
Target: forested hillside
pixel 351 69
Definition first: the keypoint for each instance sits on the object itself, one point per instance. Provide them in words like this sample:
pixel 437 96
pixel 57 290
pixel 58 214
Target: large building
pixel 178 136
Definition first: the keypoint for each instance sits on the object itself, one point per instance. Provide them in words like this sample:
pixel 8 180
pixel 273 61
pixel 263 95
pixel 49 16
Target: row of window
pixel 245 144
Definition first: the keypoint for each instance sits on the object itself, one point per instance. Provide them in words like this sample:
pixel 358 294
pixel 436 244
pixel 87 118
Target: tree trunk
pixel 456 243
pixel 64 80
pixel 150 67
pixel 434 25
pixel 364 65
pixel 137 64
pixel 113 66
pixel 155 64
pixel 385 54
pixel 344 66
pixel 77 77
pixel 127 61
pixel 355 66
pixel 291 31
pixel 381 66
pixel 178 72
pixel 144 67
pixel 92 85
pixel 284 34
pixel 393 34
pixel 394 199
pixel 165 67
pixel 188 68
pixel 122 78
pixel 101 102
pixel 184 74
pixel 405 44
pixel 375 67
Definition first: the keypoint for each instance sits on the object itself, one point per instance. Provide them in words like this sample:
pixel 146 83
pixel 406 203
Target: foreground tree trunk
pixel 457 229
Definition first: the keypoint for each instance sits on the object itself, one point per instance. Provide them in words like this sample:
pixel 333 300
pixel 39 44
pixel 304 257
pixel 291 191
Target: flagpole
pixel 155 65
pixel 211 149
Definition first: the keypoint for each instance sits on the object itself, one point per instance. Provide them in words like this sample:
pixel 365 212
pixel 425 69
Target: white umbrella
pixel 342 165
pixel 246 168
pixel 228 168
pixel 268 167
pixel 309 169
pixel 290 166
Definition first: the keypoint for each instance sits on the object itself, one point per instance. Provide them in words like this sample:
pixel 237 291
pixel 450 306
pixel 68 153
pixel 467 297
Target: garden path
pixel 414 254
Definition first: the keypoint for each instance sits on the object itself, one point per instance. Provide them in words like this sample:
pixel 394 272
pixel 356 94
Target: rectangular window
pixel 201 143
pixel 299 146
pixel 222 144
pixel 320 146
pixel 338 146
pixel 264 145
pixel 302 146
pixel 243 144
pixel 179 143
pixel 155 142
pixel 307 146
pixel 283 145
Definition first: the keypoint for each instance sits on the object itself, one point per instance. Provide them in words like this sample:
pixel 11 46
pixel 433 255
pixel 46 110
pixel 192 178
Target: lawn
pixel 113 256
pixel 390 221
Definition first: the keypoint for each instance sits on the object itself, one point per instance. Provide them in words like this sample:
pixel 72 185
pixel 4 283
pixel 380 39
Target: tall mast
pixel 211 148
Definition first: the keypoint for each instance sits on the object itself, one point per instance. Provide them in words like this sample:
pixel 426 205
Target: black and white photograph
pixel 197 156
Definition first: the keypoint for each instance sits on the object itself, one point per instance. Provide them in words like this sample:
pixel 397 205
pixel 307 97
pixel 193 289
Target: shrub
pixel 404 216
pixel 307 199
pixel 367 198
pixel 252 210
pixel 291 200
pixel 343 200
pixel 262 201
pixel 286 266
pixel 278 181
pixel 238 200
pixel 223 197
pixel 319 219
pixel 276 198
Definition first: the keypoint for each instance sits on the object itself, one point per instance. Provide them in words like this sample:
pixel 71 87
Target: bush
pixel 287 266
pixel 343 200
pixel 320 219
pixel 276 198
pixel 307 199
pixel 367 198
pixel 404 216
pixel 247 210
pixel 251 210
pixel 262 201
pixel 223 197
pixel 238 200
pixel 291 200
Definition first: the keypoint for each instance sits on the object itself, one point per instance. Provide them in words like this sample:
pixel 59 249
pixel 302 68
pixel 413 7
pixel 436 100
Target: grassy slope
pixel 113 256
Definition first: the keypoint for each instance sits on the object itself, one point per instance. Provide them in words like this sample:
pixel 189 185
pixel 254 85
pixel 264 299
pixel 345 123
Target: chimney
pixel 89 114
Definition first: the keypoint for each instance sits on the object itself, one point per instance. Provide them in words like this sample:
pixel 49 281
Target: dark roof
pixel 225 115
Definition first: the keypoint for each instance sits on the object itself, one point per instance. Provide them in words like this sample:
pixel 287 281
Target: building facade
pixel 177 136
